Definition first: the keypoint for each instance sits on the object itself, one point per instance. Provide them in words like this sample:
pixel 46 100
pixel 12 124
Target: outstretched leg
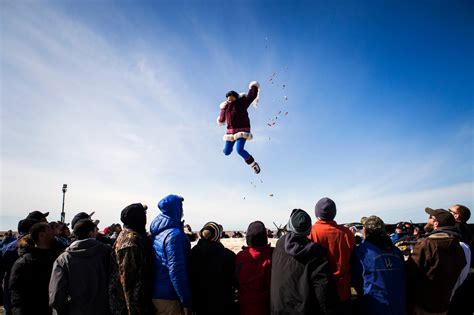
pixel 240 149
pixel 247 157
pixel 229 145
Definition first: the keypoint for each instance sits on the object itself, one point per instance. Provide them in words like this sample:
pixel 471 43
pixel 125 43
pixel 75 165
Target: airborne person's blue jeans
pixel 240 143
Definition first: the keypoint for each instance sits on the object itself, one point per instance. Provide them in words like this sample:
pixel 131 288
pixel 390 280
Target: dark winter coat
pixel 171 253
pixel 434 268
pixel 9 256
pixel 301 278
pixel 379 277
pixel 235 113
pixel 29 281
pixel 80 279
pixel 212 278
pixel 254 272
pixel 130 275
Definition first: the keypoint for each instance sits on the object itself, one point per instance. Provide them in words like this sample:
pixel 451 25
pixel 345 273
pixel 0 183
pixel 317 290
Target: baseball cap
pixel 81 216
pixel 444 217
pixel 37 215
pixel 374 224
pixel 401 226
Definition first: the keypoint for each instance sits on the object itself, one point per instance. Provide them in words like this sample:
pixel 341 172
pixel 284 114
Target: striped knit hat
pixel 211 231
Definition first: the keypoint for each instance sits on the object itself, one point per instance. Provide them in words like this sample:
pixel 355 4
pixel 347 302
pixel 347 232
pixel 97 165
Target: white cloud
pixel 123 125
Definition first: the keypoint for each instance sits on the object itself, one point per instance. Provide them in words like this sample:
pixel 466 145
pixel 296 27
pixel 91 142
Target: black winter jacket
pixel 80 279
pixel 301 279
pixel 29 281
pixel 212 277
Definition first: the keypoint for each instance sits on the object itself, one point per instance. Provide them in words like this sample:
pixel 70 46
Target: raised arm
pixel 254 87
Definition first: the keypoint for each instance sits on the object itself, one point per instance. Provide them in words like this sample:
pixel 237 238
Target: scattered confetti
pixel 286 98
pixel 271 195
pixel 286 113
pixel 261 181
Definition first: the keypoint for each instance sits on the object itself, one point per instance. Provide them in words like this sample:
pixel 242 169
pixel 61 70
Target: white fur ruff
pixel 223 105
pixel 246 135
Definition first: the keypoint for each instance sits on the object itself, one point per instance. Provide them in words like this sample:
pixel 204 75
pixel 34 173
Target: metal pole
pixel 63 215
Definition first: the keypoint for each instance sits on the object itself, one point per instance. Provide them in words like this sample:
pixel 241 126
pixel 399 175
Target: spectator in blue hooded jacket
pixel 171 288
pixel 378 272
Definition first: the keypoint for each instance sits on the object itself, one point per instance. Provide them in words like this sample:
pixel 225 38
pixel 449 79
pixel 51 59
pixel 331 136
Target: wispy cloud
pixel 75 108
pixel 123 124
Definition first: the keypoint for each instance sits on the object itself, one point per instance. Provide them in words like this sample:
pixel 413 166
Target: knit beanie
pixel 325 209
pixel 211 231
pixel 134 217
pixel 300 222
pixel 256 234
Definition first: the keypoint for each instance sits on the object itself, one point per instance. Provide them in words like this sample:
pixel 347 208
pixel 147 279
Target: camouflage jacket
pixel 130 278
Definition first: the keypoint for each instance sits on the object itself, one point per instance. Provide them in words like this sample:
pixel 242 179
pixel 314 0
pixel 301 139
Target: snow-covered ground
pixel 235 244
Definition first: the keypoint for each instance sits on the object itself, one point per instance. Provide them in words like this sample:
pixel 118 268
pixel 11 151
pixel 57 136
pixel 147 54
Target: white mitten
pixel 254 83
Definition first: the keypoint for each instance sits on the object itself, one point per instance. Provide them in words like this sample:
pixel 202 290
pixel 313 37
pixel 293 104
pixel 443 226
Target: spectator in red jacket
pixel 340 242
pixel 253 269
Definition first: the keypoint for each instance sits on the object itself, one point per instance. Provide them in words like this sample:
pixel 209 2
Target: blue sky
pixel 119 100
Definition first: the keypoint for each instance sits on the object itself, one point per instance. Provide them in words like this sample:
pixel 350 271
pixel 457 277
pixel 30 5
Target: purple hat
pixel 325 209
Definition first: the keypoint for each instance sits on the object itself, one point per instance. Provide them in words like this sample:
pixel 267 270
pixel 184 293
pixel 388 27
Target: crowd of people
pixel 316 267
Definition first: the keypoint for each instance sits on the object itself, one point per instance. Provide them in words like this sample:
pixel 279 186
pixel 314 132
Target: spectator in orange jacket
pixel 340 242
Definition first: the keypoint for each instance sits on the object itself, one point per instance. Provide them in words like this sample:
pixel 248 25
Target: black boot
pixel 254 165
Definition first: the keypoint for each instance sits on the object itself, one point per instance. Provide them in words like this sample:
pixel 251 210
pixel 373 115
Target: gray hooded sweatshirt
pixel 80 277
